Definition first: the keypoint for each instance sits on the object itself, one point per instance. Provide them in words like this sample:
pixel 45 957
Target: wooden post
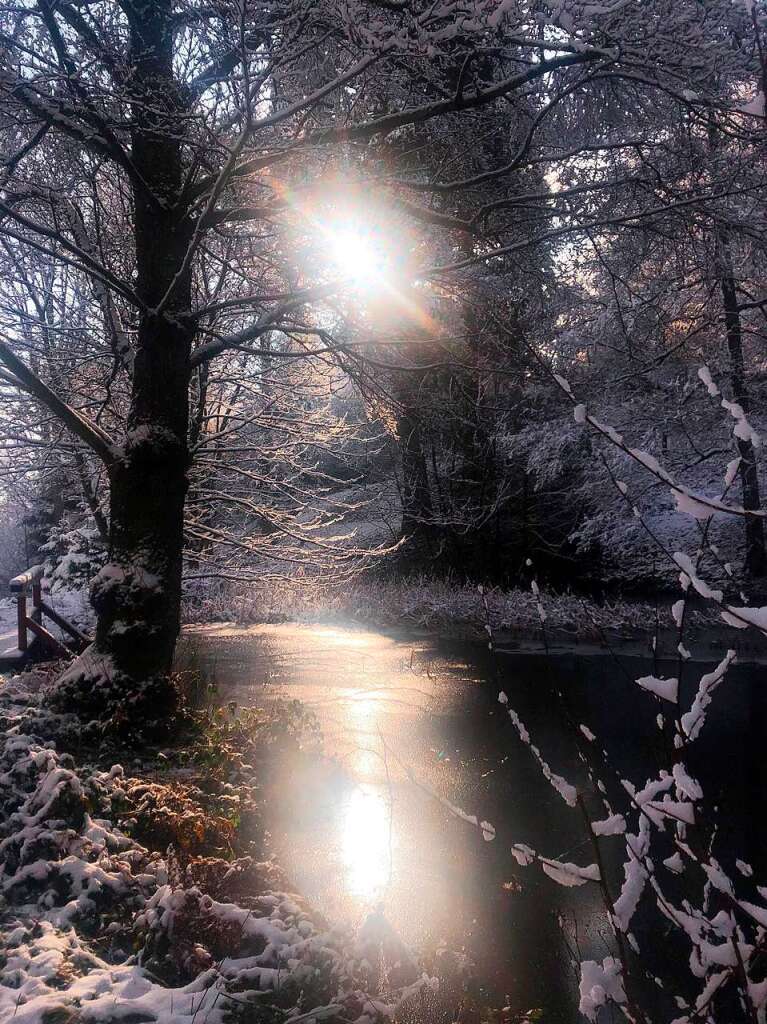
pixel 21 610
pixel 19 586
pixel 37 600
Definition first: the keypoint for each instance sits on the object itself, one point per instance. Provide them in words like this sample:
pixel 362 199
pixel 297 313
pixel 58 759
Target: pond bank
pixel 432 607
pixel 702 643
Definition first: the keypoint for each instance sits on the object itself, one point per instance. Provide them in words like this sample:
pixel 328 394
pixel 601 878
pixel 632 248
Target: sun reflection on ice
pixel 342 637
pixel 362 711
pixel 367 843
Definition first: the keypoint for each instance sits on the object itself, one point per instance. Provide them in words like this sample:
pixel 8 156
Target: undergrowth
pixel 426 602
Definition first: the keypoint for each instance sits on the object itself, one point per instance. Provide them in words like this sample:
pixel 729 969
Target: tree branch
pixel 265 322
pixel 88 431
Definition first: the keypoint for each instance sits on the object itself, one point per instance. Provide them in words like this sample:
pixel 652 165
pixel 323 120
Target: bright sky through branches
pixel 365 250
pixel 360 254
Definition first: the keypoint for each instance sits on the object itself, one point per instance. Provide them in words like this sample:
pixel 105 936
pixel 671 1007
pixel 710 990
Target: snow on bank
pixel 97 927
pixel 428 603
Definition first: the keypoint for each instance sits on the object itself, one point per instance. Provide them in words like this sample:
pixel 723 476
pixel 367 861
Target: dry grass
pixel 426 603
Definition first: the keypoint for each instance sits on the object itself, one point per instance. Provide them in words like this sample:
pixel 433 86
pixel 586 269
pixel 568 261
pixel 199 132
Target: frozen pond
pixel 408 724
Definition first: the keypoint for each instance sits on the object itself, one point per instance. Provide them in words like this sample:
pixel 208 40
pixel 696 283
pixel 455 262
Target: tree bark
pixel 756 559
pixel 137 595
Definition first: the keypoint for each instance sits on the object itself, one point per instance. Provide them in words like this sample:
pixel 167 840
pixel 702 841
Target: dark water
pixel 408 724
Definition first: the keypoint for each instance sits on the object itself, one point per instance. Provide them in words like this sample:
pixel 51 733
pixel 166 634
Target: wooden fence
pixel 30 620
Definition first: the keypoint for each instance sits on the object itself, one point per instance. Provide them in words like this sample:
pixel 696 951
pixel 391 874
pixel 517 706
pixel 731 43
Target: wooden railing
pixel 31 582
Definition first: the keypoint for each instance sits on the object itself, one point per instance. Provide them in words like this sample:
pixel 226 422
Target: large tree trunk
pixel 137 595
pixel 756 560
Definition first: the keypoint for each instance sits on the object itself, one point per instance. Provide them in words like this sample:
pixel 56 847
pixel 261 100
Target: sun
pixel 361 254
pixel 355 257
pixel 364 252
pixel 367 255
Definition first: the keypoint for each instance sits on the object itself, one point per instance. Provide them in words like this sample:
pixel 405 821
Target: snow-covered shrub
pixel 57 852
pixel 194 822
pixel 73 554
